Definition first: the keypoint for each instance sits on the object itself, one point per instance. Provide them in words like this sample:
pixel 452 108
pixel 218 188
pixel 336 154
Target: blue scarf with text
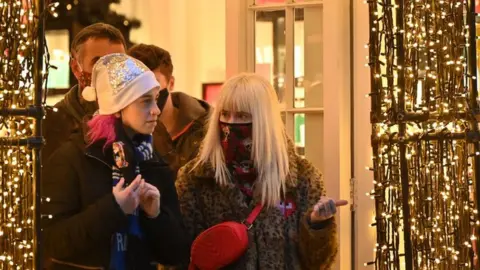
pixel 143 151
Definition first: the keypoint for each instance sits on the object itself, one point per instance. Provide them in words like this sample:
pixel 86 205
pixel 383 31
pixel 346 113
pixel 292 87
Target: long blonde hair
pixel 253 94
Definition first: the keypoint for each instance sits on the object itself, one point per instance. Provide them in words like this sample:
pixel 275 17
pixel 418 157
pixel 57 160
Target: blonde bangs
pixel 235 98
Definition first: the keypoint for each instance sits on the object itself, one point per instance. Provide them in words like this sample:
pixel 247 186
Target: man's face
pixel 163 81
pixel 90 51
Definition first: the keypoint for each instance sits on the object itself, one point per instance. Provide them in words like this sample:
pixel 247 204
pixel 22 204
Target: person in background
pixel 247 167
pixel 112 202
pixel 87 47
pixel 182 122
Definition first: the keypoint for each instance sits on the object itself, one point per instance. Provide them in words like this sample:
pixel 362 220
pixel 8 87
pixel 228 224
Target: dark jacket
pixel 85 215
pixel 59 125
pixel 277 240
pixel 192 115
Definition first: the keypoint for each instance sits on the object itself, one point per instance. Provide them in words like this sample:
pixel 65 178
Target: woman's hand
pixel 325 209
pixel 150 200
pixel 127 198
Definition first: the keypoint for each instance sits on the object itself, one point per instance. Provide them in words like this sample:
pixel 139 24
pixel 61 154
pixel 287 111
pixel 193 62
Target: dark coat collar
pixel 189 108
pixel 94 150
pixel 101 153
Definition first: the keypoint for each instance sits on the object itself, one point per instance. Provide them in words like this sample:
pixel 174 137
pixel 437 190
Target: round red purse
pixel 222 244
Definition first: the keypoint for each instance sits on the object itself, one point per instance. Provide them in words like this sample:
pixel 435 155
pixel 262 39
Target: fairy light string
pixel 423 134
pixel 19 33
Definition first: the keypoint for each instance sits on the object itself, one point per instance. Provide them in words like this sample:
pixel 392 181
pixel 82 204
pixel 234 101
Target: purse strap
pixel 253 215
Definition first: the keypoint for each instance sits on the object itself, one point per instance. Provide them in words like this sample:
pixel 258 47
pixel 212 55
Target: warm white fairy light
pixel 18 30
pixel 434 120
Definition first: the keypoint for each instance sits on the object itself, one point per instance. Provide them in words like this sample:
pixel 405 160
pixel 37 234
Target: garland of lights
pixel 21 59
pixel 425 137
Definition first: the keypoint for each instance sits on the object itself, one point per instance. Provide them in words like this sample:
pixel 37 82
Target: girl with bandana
pixel 247 167
pixel 111 202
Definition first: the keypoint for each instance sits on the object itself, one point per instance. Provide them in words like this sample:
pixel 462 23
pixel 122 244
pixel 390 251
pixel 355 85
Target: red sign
pixel 211 91
pixel 477 6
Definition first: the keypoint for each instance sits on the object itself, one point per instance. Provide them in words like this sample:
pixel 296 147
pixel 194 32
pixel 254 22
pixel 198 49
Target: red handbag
pixel 222 244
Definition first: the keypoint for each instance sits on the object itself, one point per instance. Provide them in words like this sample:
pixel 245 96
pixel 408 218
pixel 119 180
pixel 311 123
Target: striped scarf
pixel 143 151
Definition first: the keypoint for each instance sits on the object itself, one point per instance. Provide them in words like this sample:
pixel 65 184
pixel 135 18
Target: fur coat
pixel 278 239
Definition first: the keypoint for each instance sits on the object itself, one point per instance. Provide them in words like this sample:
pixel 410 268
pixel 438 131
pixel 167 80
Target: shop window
pixel 288 52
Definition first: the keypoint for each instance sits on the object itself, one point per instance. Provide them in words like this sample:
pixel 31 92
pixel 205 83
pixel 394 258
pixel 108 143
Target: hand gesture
pixel 128 198
pixel 150 200
pixel 325 209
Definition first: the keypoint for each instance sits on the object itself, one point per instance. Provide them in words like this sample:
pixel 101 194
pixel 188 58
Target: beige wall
pixel 193 32
pixel 336 96
pixel 337 127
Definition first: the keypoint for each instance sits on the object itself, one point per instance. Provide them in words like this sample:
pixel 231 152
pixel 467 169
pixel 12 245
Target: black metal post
pixel 31 142
pixel 472 70
pixel 35 111
pixel 38 77
pixel 374 118
pixel 352 142
pixel 402 134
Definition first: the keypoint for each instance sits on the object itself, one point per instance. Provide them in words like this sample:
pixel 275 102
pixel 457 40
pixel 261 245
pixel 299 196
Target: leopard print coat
pixel 276 241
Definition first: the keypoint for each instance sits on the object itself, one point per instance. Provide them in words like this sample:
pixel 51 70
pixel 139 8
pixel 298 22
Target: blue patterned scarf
pixel 143 151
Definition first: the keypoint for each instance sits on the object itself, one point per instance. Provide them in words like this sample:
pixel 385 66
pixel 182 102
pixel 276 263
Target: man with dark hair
pixel 181 124
pixel 67 116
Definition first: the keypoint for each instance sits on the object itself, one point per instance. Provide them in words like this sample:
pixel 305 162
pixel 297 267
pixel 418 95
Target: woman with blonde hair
pixel 249 200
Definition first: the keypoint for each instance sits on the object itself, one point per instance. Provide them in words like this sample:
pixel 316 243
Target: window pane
pixel 299 134
pixel 308 71
pixel 59 49
pixel 270 48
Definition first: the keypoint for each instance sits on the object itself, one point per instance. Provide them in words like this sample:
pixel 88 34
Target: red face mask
pixel 85 79
pixel 236 142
